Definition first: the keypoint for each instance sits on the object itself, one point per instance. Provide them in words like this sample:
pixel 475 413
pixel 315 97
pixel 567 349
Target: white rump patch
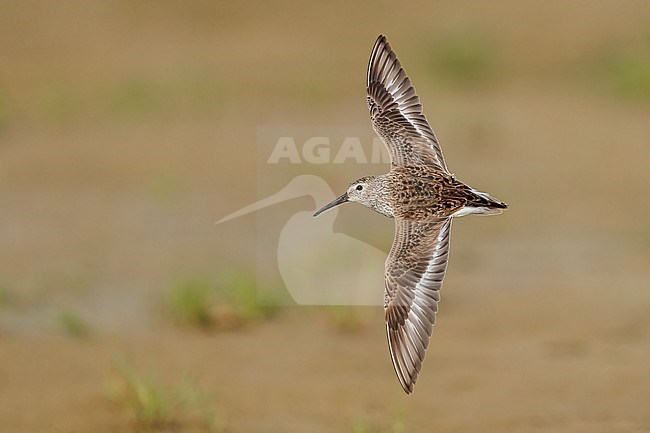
pixel 469 210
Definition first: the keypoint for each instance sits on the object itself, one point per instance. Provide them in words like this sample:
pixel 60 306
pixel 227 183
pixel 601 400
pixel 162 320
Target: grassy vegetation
pixel 151 406
pixel 73 325
pixel 240 291
pixel 627 74
pixel 226 303
pixel 142 399
pixel 363 425
pixel 462 59
pixel 620 67
pixel 190 302
pixel 4 112
pixel 5 298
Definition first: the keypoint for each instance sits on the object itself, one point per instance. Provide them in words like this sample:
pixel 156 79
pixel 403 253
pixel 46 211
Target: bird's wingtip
pixel 381 40
pixel 407 385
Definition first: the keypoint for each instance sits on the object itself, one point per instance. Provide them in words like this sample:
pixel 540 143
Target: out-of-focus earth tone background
pixel 127 128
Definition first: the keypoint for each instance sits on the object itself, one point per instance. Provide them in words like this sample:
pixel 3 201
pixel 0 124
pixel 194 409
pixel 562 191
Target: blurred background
pixel 127 128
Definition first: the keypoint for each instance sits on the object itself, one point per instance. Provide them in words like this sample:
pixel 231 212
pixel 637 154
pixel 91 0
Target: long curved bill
pixel 331 204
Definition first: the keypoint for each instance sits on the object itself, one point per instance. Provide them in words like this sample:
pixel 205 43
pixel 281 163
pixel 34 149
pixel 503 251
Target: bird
pixel 423 197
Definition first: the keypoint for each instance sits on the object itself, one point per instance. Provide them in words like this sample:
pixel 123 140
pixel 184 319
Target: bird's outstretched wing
pixel 396 112
pixel 415 268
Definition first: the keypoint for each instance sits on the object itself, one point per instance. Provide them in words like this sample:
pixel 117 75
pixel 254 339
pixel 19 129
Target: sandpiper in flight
pixel 423 197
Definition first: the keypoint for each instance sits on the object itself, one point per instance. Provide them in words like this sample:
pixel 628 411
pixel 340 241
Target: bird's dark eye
pixel 359 187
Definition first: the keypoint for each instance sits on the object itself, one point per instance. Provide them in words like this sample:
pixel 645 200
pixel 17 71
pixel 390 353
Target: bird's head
pixel 362 191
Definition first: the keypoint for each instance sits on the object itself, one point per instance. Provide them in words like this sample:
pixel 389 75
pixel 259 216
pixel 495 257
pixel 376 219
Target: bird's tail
pixel 482 203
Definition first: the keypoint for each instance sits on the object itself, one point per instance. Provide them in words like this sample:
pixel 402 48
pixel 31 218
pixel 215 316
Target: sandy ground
pixel 127 129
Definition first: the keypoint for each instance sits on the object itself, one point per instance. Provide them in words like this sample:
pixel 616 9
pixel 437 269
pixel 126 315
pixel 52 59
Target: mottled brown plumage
pixel 423 193
pixel 423 197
